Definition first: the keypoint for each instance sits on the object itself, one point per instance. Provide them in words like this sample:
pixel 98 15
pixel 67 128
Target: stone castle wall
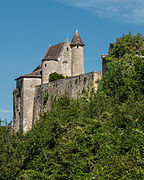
pixel 71 87
pixel 18 105
pixel 28 101
pixel 23 98
pixel 32 99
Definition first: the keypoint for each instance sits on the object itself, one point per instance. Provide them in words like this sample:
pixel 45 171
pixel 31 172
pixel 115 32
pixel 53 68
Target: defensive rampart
pixel 71 87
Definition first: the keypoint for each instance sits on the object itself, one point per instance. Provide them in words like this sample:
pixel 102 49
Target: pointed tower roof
pixel 77 40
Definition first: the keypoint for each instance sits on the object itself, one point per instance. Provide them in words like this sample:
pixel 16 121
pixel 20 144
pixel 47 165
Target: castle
pixel 64 58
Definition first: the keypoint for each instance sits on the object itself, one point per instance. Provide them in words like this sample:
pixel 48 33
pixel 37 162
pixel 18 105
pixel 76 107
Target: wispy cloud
pixel 5 111
pixel 130 11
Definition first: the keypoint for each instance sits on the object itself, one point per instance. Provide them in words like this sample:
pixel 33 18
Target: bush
pixel 55 76
pixel 99 138
pixel 46 96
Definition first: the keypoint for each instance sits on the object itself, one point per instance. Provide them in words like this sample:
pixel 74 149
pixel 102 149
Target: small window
pixel 45 65
pixel 77 46
pixel 67 48
pixel 65 63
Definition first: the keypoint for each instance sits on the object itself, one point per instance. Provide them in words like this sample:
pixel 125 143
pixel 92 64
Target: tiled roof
pixel 38 68
pixel 53 52
pixel 34 74
pixel 77 40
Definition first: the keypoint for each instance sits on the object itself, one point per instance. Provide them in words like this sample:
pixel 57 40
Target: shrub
pixel 46 96
pixel 55 76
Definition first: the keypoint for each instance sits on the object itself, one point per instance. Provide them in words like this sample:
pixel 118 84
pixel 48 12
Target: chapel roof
pixel 77 40
pixel 53 52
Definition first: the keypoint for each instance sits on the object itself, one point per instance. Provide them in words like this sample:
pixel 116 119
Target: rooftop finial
pixel 67 40
pixel 76 30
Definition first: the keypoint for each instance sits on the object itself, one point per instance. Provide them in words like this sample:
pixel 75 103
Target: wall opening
pixel 65 63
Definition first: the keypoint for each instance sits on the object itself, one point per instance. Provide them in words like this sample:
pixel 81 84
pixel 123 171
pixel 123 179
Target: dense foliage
pixel 99 138
pixel 55 76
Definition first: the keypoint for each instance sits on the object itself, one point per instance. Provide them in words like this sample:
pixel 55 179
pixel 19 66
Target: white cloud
pixel 131 11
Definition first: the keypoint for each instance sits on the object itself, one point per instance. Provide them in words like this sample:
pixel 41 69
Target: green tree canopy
pixel 97 138
pixel 128 44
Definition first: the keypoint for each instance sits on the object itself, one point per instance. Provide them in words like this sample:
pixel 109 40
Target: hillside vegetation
pixel 97 138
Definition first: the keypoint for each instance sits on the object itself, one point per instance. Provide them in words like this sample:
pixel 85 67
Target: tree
pixel 55 76
pixel 99 138
pixel 127 44
pixel 124 77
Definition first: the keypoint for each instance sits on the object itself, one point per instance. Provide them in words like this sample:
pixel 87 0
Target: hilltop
pixel 97 136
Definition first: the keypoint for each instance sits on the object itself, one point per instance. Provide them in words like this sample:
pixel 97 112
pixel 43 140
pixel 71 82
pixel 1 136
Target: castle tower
pixel 77 55
pixel 64 59
pixel 50 61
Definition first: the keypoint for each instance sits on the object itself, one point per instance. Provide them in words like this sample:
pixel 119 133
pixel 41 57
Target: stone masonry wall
pixel 71 87
pixel 64 60
pixel 23 100
pixel 77 60
pixel 18 105
pixel 28 101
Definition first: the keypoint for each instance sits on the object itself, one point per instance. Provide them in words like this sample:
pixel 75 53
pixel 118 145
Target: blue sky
pixel 28 27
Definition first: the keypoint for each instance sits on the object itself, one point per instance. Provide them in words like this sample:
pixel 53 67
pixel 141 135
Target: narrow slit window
pixel 77 46
pixel 67 48
pixel 45 65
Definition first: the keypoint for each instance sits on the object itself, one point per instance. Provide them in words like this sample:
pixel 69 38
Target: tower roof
pixel 77 40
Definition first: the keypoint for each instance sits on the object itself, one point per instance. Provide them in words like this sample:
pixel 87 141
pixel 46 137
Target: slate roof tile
pixel 53 52
pixel 77 40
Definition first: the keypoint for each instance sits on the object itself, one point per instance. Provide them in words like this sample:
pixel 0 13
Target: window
pixel 67 48
pixel 65 63
pixel 77 46
pixel 45 65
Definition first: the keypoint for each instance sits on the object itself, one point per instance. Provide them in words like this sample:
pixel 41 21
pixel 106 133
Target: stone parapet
pixel 71 87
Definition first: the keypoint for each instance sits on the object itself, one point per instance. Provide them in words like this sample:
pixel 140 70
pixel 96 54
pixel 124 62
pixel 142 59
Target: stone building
pixel 104 62
pixel 64 58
